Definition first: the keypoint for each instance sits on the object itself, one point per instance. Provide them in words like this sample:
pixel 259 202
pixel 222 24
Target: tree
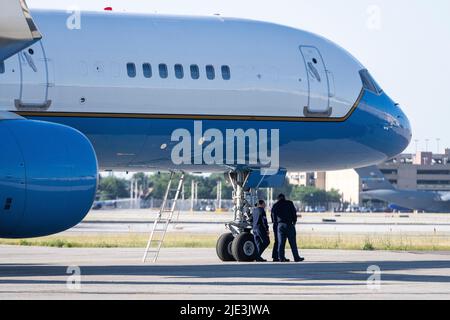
pixel 334 196
pixel 207 186
pixel 142 180
pixel 111 188
pixel 311 196
pixel 286 189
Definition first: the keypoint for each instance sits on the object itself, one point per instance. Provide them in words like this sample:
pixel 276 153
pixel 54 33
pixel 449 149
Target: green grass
pixel 305 241
pixel 113 241
pixel 368 246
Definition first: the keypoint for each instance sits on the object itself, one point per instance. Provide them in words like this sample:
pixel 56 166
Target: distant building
pixel 347 182
pixel 321 180
pixel 304 179
pixel 421 171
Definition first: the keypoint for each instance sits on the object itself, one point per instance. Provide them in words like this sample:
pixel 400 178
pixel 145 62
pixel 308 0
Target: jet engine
pixel 48 178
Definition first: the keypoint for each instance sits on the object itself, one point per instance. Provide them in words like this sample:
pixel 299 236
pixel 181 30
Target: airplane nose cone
pixel 404 124
pixel 399 128
pixel 391 126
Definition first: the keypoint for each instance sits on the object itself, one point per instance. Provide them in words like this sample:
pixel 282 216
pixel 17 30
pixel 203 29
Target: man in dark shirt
pixel 284 214
pixel 260 229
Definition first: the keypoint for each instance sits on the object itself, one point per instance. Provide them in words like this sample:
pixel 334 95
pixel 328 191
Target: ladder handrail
pixel 159 218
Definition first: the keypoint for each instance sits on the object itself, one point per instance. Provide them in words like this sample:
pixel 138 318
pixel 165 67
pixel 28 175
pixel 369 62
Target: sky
pixel 404 43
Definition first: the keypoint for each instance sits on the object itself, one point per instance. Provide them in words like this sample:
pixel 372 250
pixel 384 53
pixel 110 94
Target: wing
pixel 373 179
pixel 17 28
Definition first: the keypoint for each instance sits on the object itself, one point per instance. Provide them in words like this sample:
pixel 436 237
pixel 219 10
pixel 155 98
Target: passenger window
pixel 195 72
pixel 210 74
pixel 163 72
pixel 226 74
pixel 2 67
pixel 179 72
pixel 147 69
pixel 131 70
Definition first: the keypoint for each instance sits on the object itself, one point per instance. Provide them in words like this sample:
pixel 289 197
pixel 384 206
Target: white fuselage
pixel 92 72
pixel 268 72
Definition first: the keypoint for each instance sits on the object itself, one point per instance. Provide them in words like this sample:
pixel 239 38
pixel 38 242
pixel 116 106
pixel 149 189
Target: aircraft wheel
pixel 223 247
pixel 244 248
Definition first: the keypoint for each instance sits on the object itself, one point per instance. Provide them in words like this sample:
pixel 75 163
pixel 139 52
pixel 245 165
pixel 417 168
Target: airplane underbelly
pixel 205 145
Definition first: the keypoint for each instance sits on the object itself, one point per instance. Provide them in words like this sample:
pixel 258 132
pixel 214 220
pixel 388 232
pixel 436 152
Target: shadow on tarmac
pixel 331 274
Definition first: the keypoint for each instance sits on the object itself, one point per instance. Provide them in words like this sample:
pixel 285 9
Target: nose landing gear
pixel 244 248
pixel 239 245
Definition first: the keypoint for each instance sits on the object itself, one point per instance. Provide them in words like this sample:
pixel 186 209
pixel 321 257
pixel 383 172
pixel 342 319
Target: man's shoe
pixel 276 260
pixel 301 259
pixel 261 260
pixel 285 260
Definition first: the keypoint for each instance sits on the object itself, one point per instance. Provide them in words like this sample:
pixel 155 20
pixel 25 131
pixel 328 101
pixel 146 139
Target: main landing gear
pixel 239 244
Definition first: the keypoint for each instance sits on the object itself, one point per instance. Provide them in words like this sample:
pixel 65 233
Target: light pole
pixel 219 195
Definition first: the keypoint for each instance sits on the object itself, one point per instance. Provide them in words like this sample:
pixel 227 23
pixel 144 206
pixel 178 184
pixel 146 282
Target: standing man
pixel 285 214
pixel 273 215
pixel 260 229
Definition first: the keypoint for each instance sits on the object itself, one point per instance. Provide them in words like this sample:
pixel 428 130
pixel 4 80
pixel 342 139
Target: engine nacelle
pixel 48 178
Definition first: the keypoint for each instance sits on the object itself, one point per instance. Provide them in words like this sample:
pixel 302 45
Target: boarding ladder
pixel 163 219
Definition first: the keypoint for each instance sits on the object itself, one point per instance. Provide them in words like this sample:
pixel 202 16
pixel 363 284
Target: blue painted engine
pixel 48 178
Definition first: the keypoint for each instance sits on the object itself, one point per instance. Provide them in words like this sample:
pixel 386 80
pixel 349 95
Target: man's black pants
pixel 275 244
pixel 262 241
pixel 287 231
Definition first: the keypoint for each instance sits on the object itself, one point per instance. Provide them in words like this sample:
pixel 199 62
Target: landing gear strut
pixel 239 245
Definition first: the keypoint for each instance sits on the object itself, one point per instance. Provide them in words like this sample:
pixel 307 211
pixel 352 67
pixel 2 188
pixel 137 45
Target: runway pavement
pixel 125 221
pixel 42 273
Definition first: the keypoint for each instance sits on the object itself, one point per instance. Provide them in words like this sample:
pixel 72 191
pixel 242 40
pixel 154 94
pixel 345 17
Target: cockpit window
pixel 2 67
pixel 369 83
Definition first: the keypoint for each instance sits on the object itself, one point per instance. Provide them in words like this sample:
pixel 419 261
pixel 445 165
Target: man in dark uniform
pixel 285 214
pixel 275 232
pixel 260 229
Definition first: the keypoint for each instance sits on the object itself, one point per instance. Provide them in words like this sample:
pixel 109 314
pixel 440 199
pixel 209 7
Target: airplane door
pixel 34 84
pixel 319 91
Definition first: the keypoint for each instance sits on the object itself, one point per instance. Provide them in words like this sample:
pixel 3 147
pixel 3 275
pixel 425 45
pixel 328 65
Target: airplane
pixel 376 187
pixel 83 92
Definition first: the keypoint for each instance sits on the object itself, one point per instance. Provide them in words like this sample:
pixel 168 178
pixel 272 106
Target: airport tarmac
pixel 42 273
pixel 137 221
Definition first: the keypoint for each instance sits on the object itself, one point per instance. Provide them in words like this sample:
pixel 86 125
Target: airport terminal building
pixel 422 171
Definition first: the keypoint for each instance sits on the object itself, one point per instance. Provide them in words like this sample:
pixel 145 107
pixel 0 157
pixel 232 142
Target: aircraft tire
pixel 244 248
pixel 223 247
